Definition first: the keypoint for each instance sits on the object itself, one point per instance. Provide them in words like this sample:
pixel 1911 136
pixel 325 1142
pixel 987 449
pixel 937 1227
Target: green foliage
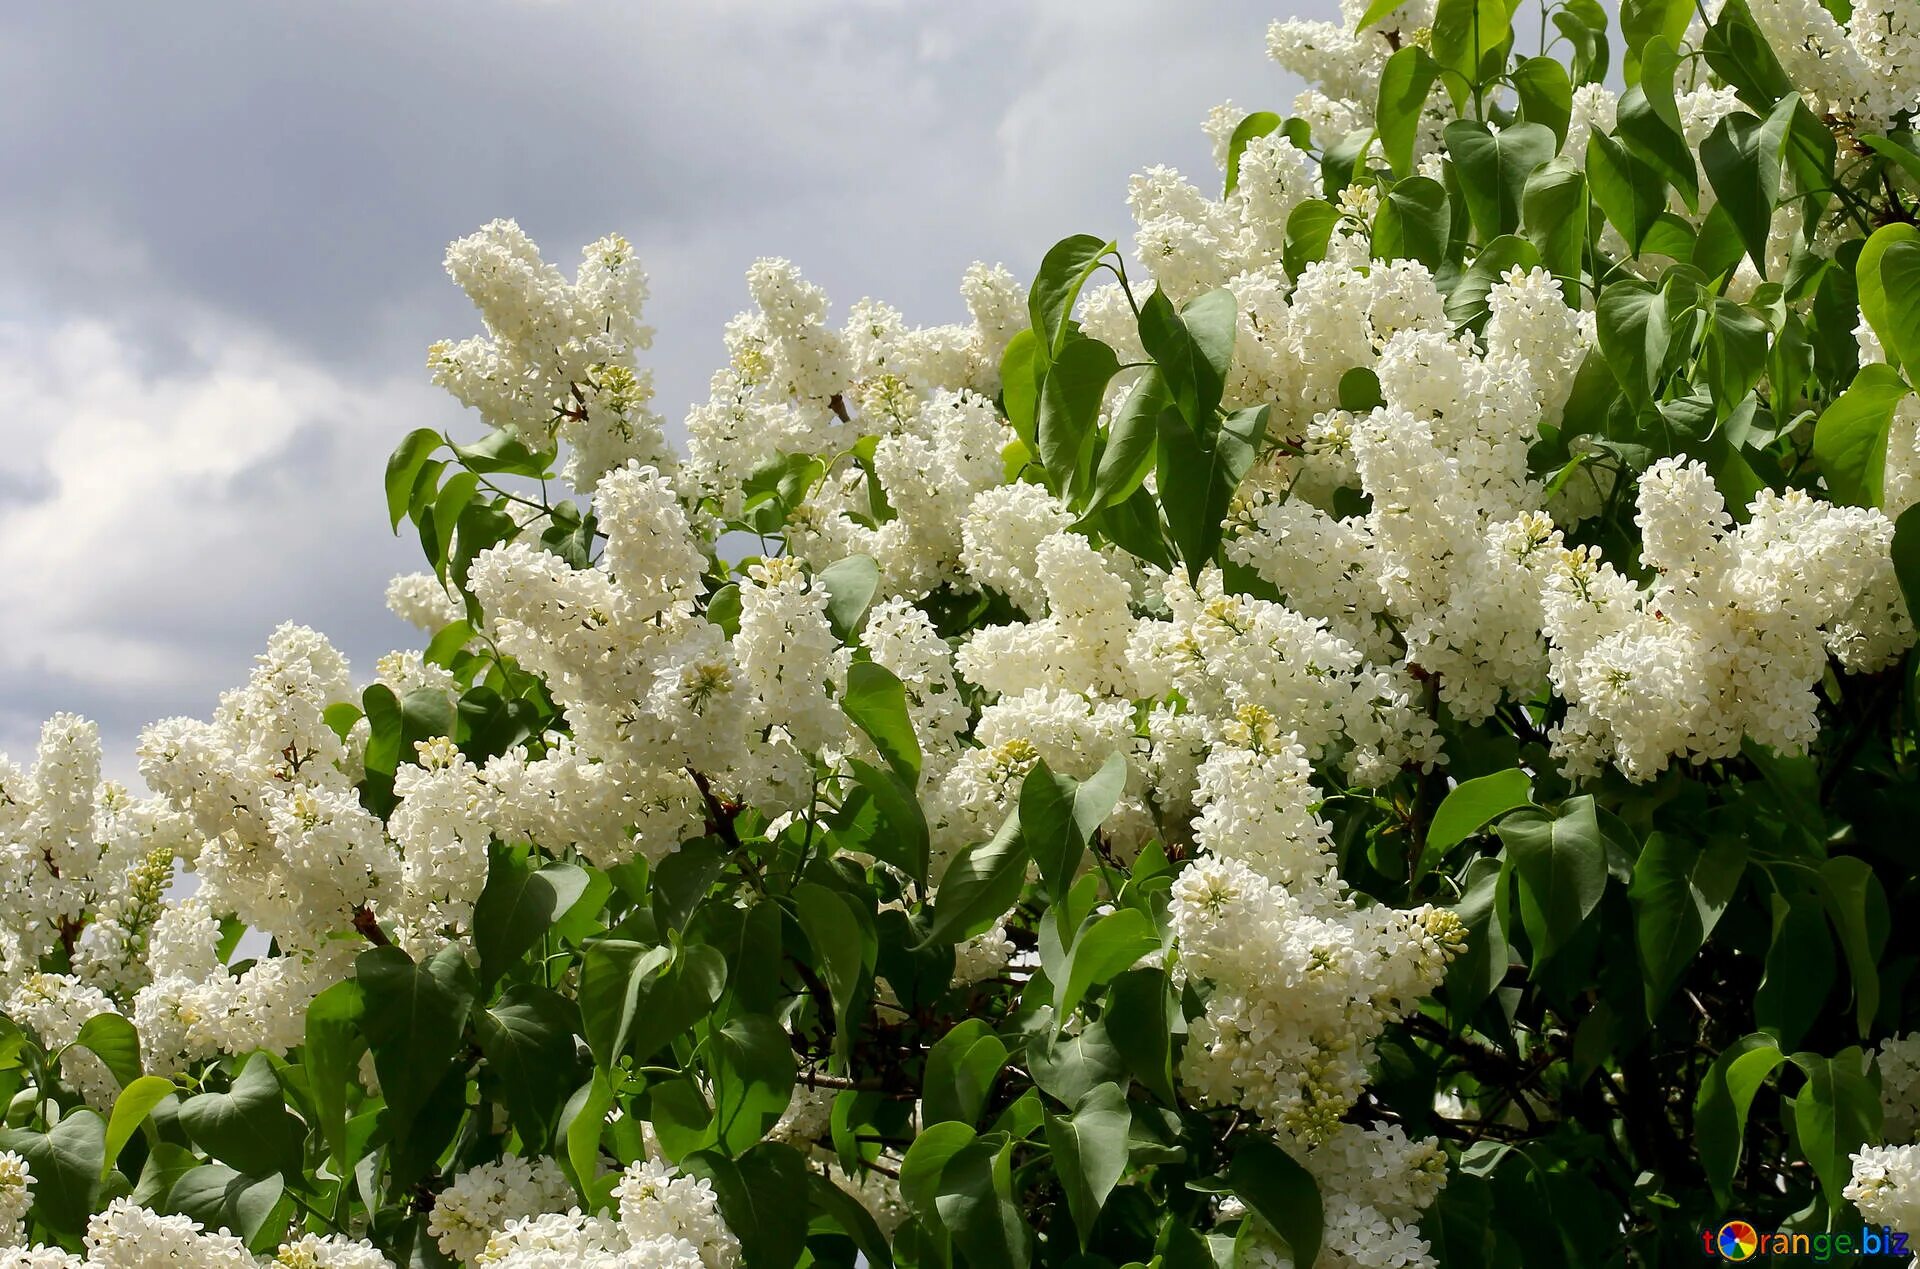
pixel 1662 1010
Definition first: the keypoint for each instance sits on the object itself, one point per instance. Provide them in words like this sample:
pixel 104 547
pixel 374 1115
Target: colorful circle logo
pixel 1738 1240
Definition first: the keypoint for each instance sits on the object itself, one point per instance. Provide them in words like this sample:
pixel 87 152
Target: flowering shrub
pixel 1374 728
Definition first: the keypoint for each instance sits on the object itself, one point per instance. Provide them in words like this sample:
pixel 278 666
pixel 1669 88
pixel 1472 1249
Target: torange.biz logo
pixel 1738 1240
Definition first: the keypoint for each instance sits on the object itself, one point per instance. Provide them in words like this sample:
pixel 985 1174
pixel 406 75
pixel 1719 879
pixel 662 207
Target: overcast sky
pixel 223 225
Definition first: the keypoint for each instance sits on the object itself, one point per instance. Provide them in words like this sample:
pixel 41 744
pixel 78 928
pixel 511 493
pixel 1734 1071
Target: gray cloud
pixel 225 221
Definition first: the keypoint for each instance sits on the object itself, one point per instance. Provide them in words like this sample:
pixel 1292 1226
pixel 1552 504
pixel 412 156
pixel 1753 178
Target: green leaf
pixel 1069 408
pixel 220 1198
pixel 1583 23
pixel 903 841
pixel 519 904
pixel 976 1203
pixel 426 713
pixel 1108 945
pixel 852 1217
pixel 1546 95
pixel 383 729
pixel 447 643
pixel 436 531
pixel 1360 390
pixel 1022 1117
pixel 1877 303
pixel 1900 151
pixel 877 703
pixel 1375 11
pixel 1800 142
pixel 1857 905
pixel 583 918
pixel 1282 1193
pixel 1634 332
pixel 680 1116
pixel 763 1197
pixel 1467 303
pixel 1133 525
pixel 844 944
pixel 1555 216
pixel 1143 1018
pixel 1340 163
pixel 1745 175
pixel 426 487
pixel 723 609
pixel 1897 269
pixel 1650 126
pixel 1835 1113
pixel 486 725
pixel 130 1109
pixel 1795 783
pixel 673 1001
pixel 1906 556
pixel 402 469
pixel 1090 1152
pixel 979 885
pixel 1310 228
pixel 1642 21
pixel 755 934
pixel 1128 456
pixel 67 1162
pixel 1198 476
pixel 1059 816
pixel 342 716
pixel 1720 1110
pixel 113 1039
pixel 1738 53
pixel 615 977
pixel 1733 361
pixel 247 1127
pixel 1258 124
pixel 752 1067
pixel 1630 192
pixel 1561 862
pixel 583 1121
pixel 1022 366
pixel 570 535
pixel 1469 806
pixel 1717 249
pixel 851 584
pixel 1680 887
pixel 1405 82
pixel 1415 222
pixel 1483 909
pixel 1064 270
pixel 1066 1067
pixel 1850 438
pixel 527 1040
pixel 926 1159
pixel 682 881
pixel 1835 312
pixel 331 1053
pixel 1178 1246
pixel 415 1022
pixel 961 1069
pixel 1799 968
pixel 1193 349
pixel 1494 170
pixel 1670 235
pixel 775 487
pixel 502 450
pixel 1469 37
pixel 481 525
pixel 166 1163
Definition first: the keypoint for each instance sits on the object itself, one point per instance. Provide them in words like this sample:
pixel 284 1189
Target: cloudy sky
pixel 223 224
